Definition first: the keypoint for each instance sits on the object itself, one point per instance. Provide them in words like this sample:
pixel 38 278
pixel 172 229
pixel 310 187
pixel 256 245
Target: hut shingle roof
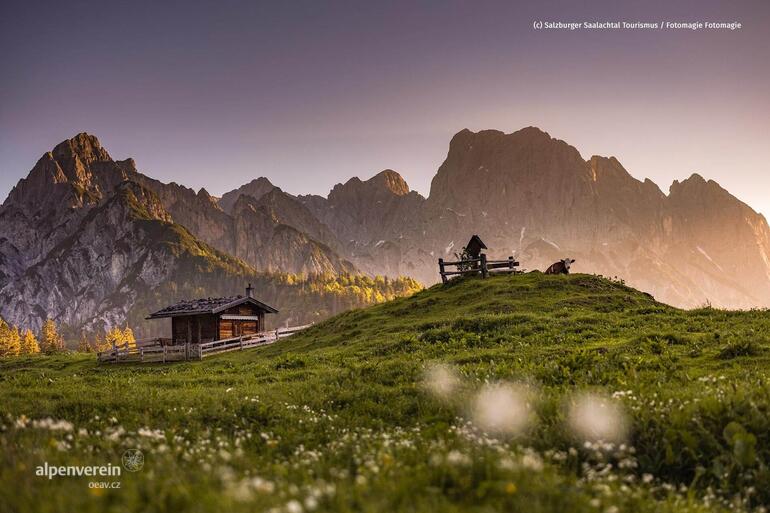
pixel 207 305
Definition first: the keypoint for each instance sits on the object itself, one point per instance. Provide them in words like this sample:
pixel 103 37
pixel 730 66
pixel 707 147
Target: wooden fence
pixel 159 351
pixel 476 266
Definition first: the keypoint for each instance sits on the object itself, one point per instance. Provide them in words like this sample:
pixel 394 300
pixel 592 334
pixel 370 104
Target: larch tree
pixel 14 342
pixel 128 337
pixel 100 343
pixel 114 337
pixel 83 345
pixel 51 341
pixel 9 339
pixel 29 344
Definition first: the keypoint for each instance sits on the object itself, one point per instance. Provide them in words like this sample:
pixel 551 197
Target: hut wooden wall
pixel 194 328
pixel 234 328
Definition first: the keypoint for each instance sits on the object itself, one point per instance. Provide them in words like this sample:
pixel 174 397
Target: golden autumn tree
pixel 83 345
pixel 114 337
pixel 100 342
pixel 14 342
pixel 50 340
pixel 128 337
pixel 29 344
pixel 10 342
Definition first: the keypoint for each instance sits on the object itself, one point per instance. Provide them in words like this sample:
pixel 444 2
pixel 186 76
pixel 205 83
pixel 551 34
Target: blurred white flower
pixel 501 408
pixel 441 380
pixel 51 424
pixel 311 503
pixel 596 417
pixel 457 458
pixel 294 506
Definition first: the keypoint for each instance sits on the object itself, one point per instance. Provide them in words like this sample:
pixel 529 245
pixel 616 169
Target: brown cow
pixel 560 267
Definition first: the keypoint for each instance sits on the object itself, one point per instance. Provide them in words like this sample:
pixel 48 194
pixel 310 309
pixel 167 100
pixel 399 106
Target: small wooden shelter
pixel 204 320
pixel 474 246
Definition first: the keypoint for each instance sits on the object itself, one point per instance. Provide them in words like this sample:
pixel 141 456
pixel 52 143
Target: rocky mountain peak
pixel 255 188
pixel 84 147
pixel 129 165
pixel 78 171
pixel 390 180
pixel 380 187
pixel 501 170
pixel 697 189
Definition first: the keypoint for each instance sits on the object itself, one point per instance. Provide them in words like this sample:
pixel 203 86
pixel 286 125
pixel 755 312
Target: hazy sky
pixel 311 93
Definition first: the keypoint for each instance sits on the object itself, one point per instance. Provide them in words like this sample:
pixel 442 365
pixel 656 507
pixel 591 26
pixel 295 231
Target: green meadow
pixel 516 393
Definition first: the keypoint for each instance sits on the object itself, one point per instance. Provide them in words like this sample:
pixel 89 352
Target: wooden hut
pixel 204 320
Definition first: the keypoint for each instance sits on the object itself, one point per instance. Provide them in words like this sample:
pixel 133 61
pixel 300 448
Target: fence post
pixel 141 354
pixel 510 262
pixel 441 269
pixel 164 354
pixel 240 342
pixel 484 269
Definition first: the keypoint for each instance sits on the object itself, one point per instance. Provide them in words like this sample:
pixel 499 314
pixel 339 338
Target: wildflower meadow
pixel 516 393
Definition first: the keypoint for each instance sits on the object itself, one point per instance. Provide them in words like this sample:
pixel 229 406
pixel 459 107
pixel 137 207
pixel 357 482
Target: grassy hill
pixel 527 392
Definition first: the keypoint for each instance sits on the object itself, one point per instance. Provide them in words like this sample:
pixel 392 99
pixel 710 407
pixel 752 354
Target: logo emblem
pixel 133 460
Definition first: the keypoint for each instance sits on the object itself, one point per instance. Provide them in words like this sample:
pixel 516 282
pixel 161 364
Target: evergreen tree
pixel 29 343
pixel 51 341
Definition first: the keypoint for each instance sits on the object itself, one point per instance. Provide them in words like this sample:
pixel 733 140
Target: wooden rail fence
pixel 476 266
pixel 161 350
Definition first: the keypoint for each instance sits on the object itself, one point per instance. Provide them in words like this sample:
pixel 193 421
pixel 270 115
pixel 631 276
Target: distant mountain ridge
pixel 524 193
pixel 534 196
pixel 93 243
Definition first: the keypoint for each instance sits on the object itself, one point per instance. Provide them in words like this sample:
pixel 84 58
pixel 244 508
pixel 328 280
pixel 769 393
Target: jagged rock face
pixel 362 211
pixel 373 220
pixel 276 233
pixel 47 206
pixel 286 210
pixel 79 174
pixel 198 212
pixel 247 228
pixel 526 185
pixel 114 244
pixel 723 242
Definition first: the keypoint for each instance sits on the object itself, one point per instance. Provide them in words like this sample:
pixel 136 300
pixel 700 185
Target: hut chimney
pixel 249 291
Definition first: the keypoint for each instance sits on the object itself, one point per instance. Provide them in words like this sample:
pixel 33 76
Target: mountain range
pixel 90 241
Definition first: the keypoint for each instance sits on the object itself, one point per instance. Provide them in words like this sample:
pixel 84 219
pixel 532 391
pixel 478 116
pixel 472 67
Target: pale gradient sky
pixel 311 93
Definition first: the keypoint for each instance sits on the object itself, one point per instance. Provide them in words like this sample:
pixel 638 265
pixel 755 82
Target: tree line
pixel 17 342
